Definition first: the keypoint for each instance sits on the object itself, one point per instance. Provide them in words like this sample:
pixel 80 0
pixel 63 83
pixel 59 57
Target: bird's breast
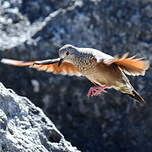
pixel 86 66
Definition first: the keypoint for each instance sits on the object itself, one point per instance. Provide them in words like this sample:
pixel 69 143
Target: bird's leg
pixel 94 91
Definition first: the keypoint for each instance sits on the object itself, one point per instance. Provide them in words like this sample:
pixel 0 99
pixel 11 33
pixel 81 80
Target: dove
pixel 103 70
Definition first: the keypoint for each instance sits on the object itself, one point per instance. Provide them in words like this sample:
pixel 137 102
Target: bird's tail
pixel 137 97
pixel 128 89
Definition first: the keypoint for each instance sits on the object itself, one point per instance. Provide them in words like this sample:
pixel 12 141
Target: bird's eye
pixel 67 53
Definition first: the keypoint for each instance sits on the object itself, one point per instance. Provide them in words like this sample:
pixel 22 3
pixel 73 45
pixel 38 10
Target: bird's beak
pixel 60 62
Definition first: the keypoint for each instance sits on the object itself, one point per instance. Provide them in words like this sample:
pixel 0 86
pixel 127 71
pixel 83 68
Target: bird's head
pixel 67 53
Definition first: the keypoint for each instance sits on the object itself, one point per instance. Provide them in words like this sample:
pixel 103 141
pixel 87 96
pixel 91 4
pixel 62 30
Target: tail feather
pixel 137 97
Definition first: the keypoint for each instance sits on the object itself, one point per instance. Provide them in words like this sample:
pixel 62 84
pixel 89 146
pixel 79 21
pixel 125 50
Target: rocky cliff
pixel 24 127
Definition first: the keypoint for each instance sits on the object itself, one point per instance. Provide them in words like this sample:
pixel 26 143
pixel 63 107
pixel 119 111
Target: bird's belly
pixel 104 75
pixel 98 79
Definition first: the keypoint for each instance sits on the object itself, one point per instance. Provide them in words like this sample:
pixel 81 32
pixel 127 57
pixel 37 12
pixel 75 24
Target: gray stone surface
pixel 110 122
pixel 25 128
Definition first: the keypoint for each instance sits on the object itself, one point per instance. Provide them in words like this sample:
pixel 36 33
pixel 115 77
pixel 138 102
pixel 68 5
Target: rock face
pixel 24 127
pixel 34 30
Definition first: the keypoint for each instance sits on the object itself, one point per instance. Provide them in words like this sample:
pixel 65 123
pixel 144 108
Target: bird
pixel 103 70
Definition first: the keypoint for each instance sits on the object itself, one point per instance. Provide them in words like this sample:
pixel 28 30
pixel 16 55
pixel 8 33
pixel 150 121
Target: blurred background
pixel 36 29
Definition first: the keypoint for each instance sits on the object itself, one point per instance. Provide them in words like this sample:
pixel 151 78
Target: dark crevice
pixel 54 137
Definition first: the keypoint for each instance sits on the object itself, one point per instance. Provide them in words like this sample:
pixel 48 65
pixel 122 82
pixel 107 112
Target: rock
pixel 24 127
pixel 34 30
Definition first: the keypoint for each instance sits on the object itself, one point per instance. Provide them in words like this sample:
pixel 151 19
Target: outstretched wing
pixel 131 66
pixel 50 65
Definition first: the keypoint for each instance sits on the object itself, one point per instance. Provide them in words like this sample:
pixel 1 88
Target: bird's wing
pixel 50 65
pixel 131 66
pixel 98 55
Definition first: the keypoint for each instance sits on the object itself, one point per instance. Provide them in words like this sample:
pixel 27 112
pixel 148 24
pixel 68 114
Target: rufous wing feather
pixel 46 65
pixel 65 68
pixel 131 66
pixel 16 62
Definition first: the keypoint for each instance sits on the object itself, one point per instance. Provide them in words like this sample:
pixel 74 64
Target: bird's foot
pixel 94 91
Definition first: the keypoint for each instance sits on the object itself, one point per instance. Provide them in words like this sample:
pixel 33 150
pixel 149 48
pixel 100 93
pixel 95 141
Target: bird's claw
pixel 94 91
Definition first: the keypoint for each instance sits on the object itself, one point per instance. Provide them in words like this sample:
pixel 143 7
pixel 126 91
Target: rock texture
pixel 25 128
pixel 32 30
